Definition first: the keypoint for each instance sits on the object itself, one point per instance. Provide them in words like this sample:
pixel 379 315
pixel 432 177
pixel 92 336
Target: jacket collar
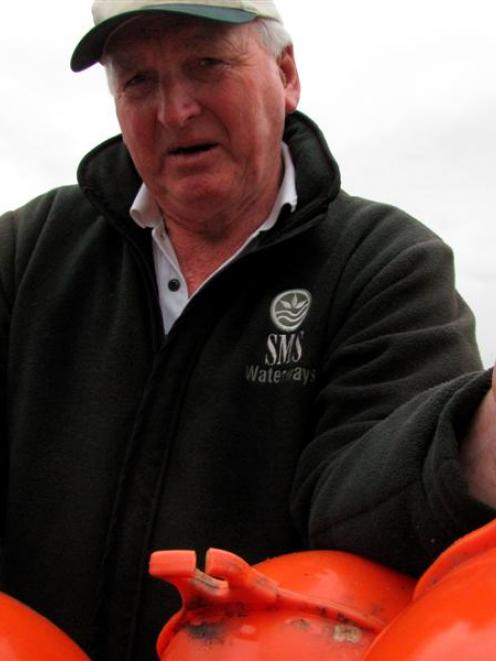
pixel 108 178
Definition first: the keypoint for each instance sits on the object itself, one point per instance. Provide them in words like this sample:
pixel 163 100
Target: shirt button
pixel 174 284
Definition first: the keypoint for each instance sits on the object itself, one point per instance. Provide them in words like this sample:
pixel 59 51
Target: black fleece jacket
pixel 313 394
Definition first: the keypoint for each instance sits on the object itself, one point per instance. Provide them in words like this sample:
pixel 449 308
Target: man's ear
pixel 290 78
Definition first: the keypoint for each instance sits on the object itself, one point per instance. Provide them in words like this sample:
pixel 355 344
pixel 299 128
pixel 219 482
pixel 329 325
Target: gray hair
pixel 273 35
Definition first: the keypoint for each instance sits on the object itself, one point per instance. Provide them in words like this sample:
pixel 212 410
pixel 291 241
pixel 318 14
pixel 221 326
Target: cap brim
pixel 90 49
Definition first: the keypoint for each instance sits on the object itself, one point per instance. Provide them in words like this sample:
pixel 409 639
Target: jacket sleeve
pixel 7 256
pixel 17 243
pixel 401 380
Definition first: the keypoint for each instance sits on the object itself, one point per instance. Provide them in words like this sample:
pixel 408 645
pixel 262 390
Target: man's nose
pixel 177 104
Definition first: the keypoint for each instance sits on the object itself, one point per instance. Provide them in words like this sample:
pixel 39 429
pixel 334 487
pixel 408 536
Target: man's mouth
pixel 192 149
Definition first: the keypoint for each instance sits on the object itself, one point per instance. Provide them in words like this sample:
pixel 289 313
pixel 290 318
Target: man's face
pixel 201 106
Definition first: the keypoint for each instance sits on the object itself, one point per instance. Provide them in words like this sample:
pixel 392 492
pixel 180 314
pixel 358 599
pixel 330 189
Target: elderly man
pixel 209 343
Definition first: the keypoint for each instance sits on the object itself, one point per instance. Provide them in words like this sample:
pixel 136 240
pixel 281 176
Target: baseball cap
pixel 109 14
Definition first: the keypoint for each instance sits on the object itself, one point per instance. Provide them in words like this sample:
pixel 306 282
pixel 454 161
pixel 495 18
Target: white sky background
pixel 405 91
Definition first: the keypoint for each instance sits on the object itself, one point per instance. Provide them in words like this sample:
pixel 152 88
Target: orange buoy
pixel 453 614
pixel 308 605
pixel 27 635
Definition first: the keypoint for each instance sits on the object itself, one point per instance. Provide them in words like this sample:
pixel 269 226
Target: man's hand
pixel 478 454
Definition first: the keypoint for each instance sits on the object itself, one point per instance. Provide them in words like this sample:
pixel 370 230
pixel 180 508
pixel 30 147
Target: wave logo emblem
pixel 289 310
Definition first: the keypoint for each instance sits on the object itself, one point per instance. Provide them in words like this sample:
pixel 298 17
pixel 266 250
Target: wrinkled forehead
pixel 185 31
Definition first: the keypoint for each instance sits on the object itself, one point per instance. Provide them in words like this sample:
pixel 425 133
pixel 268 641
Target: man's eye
pixel 136 80
pixel 206 69
pixel 209 62
pixel 138 85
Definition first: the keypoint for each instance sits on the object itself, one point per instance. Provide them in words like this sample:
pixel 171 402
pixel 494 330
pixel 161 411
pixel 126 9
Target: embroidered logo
pixel 283 360
pixel 289 310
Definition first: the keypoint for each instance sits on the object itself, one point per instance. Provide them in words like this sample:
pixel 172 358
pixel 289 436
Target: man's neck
pixel 200 253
